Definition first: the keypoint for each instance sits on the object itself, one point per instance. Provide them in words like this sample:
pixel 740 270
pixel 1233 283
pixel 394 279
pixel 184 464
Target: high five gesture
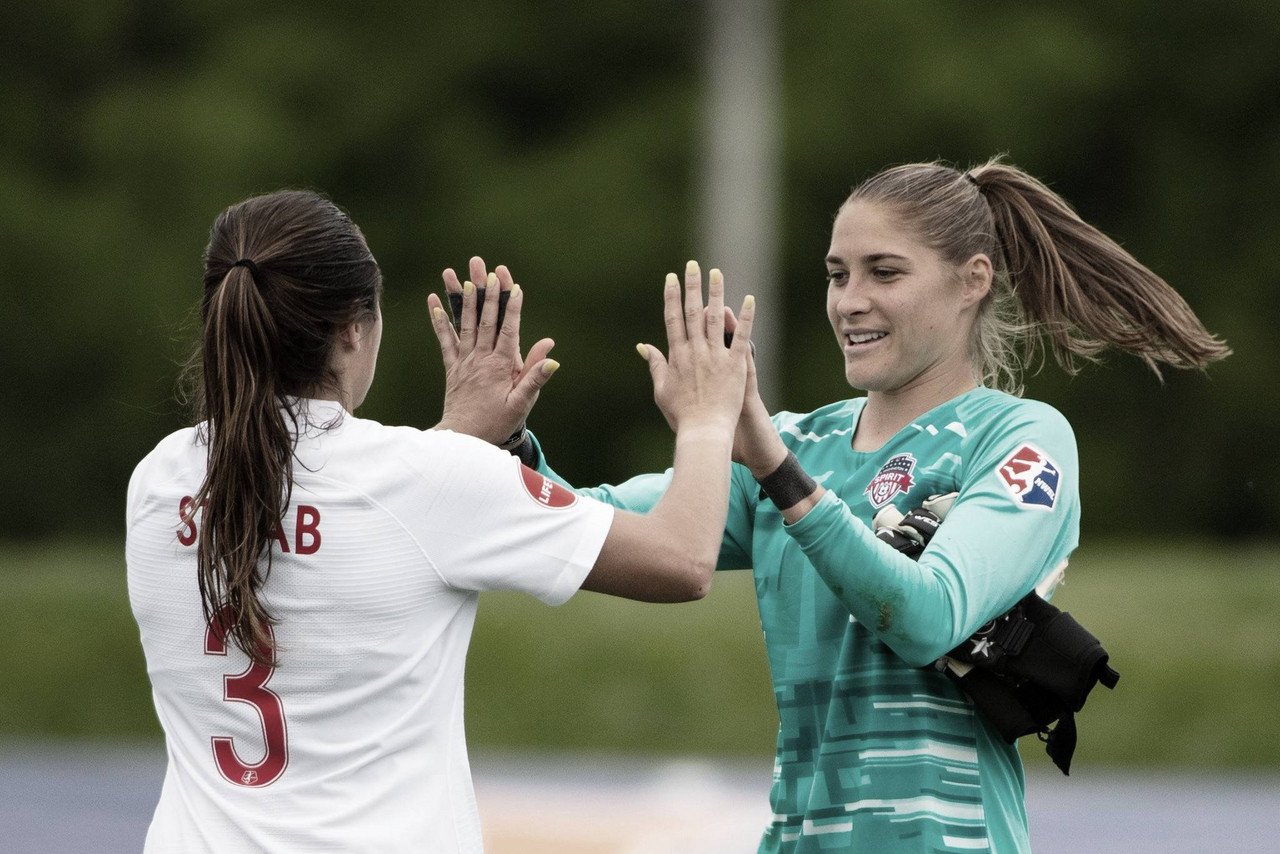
pixel 701 378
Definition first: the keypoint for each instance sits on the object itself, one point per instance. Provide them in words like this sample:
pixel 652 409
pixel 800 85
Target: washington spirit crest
pixel 893 478
pixel 1031 477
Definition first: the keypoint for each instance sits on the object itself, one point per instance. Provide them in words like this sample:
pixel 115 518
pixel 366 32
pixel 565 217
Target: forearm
pixel 694 507
pixel 641 493
pixel 915 608
pixel 669 554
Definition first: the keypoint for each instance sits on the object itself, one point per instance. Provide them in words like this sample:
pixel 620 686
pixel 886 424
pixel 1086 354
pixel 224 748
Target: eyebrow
pixel 868 259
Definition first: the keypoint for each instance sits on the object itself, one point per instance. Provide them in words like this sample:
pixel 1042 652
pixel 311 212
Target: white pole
pixel 741 171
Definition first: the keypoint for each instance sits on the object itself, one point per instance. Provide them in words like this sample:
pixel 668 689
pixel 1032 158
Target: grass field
pixel 1191 627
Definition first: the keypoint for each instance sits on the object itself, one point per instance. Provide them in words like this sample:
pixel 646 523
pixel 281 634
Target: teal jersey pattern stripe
pixel 877 751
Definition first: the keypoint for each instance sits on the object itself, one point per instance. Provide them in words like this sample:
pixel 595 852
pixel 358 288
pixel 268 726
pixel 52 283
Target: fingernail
pixel 643 350
pixel 673 281
pixel 749 302
pixel 467 287
pixel 491 280
pixel 550 366
pixel 437 313
pixel 716 277
pixel 515 289
pixel 691 268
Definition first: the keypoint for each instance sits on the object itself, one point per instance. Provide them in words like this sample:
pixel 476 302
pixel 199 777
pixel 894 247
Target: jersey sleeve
pixel 170 459
pixel 1015 519
pixel 499 525
pixel 137 482
pixel 642 492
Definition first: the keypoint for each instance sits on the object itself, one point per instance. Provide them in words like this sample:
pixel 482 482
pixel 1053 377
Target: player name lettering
pixel 305 529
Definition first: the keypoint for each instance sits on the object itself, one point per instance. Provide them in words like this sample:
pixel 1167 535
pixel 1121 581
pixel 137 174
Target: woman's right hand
pixel 489 388
pixel 756 443
pixel 701 382
pixel 669 554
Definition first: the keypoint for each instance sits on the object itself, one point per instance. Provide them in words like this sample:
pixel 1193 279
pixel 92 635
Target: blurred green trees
pixel 562 139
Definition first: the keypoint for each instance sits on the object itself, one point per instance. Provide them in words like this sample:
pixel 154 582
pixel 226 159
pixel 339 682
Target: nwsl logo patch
pixel 1031 477
pixel 893 478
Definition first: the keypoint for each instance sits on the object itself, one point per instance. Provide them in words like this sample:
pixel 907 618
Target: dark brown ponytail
pixel 283 273
pixel 1057 277
pixel 1082 289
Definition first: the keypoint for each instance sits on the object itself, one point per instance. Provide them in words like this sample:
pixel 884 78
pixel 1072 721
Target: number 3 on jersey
pixel 249 687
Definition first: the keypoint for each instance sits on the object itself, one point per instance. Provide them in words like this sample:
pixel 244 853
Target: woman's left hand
pixel 756 443
pixel 489 388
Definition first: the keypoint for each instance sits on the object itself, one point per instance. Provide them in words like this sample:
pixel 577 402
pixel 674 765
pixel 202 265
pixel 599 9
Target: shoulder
pixel 987 412
pixel 366 431
pixel 833 420
pixel 439 443
pixel 370 451
pixel 1007 433
pixel 176 456
pixel 174 453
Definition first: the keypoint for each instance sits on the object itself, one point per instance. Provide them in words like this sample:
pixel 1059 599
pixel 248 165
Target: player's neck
pixel 887 412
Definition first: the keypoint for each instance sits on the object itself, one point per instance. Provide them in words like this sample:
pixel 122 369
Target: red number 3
pixel 249 687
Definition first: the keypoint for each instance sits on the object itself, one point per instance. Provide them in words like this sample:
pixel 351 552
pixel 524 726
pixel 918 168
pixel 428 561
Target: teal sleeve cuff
pixel 821 520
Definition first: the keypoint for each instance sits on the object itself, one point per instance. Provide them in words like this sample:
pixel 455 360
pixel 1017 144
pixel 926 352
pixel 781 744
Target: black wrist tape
pixel 526 452
pixel 789 484
pixel 515 439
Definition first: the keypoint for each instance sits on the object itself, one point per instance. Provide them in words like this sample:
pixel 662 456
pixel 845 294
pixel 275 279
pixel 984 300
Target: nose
pixel 852 300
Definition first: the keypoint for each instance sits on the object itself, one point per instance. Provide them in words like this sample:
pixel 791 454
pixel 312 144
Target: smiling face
pixel 902 315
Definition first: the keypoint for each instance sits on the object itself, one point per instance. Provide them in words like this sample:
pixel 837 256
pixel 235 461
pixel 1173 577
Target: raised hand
pixel 756 443
pixel 701 381
pixel 489 388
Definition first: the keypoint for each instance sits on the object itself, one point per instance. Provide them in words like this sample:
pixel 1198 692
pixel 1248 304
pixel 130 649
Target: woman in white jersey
pixel 938 284
pixel 305 581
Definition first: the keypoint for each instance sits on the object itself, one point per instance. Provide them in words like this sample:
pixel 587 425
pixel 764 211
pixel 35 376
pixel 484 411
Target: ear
pixel 976 276
pixel 351 336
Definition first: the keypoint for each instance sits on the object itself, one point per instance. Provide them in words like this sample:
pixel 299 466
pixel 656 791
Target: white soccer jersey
pixel 354 741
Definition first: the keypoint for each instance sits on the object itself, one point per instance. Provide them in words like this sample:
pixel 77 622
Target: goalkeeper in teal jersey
pixel 874 751
pixel 938 284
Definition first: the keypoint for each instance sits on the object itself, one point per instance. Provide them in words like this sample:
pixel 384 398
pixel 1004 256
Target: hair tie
pixel 250 266
pixel 968 176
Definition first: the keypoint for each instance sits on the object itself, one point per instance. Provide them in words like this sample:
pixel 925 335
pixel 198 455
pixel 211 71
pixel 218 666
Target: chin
pixel 859 381
pixel 860 378
pixel 879 384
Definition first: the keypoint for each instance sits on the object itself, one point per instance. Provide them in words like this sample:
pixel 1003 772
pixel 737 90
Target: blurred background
pixel 593 148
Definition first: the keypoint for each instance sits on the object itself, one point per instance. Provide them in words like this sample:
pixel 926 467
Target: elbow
pixel 686 569
pixel 915 642
pixel 671 576
pixel 915 654
pixel 702 584
pixel 918 632
pixel 693 593
pixel 914 650
pixel 695 580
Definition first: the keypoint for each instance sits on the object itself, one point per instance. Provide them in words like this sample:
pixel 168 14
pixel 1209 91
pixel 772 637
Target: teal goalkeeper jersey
pixel 876 750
